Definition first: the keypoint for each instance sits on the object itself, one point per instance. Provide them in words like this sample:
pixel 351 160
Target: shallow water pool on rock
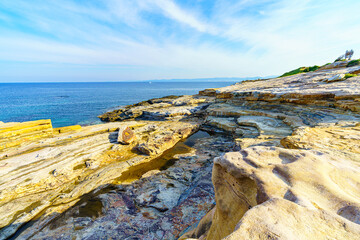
pixel 163 162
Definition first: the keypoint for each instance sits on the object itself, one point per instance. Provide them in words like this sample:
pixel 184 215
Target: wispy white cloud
pixel 173 11
pixel 145 39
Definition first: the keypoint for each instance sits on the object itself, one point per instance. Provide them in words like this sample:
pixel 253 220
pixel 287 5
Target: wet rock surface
pixel 274 159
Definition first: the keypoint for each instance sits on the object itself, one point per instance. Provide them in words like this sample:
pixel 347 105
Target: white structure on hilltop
pixel 347 56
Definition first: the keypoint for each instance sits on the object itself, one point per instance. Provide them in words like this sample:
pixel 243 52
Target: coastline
pixel 265 152
pixel 80 103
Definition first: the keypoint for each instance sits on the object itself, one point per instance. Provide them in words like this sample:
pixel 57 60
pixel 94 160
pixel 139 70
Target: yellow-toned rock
pixel 208 92
pixel 265 125
pixel 15 134
pixel 349 105
pixel 227 124
pixel 303 186
pixel 283 219
pixel 125 135
pixel 343 138
pixel 73 128
pixel 60 169
pixel 161 139
pixel 323 191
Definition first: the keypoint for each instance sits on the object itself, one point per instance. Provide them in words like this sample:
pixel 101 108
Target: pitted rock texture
pixel 299 223
pixel 318 186
pixel 286 166
pixel 259 180
pixel 297 173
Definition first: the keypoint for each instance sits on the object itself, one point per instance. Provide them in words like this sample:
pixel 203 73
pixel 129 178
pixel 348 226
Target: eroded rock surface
pixel 251 181
pixel 297 173
pixel 160 205
pixel 299 223
pixel 160 108
pixel 282 162
pixel 60 169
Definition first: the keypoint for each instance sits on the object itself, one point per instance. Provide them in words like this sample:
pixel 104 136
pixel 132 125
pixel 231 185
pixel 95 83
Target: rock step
pixel 73 128
pixel 14 134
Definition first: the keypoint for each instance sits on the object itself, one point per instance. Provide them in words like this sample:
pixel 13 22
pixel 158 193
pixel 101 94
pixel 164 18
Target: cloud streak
pixel 152 39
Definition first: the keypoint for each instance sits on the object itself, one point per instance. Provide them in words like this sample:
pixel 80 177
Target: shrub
pixel 300 70
pixel 349 75
pixel 353 63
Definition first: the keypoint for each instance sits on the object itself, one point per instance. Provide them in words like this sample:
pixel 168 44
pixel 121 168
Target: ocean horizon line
pixel 225 79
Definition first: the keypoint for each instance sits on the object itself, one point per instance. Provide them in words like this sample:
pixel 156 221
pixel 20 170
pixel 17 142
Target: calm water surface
pixel 80 103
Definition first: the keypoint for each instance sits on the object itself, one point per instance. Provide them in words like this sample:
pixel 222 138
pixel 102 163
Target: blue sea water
pixel 80 103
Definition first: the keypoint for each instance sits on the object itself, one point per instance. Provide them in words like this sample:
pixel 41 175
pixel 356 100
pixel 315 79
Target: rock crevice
pixel 267 159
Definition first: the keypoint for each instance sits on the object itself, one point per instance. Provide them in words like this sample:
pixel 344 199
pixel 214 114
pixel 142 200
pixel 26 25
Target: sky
pixel 125 40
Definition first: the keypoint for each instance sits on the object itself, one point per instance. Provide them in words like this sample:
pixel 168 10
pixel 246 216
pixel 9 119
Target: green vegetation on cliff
pixel 353 63
pixel 349 75
pixel 301 70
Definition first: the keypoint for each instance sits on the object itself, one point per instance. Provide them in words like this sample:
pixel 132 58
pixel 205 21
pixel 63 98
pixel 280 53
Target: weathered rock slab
pixel 265 125
pixel 299 223
pixel 246 183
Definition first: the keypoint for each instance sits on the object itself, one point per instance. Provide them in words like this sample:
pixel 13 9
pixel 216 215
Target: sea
pixel 80 103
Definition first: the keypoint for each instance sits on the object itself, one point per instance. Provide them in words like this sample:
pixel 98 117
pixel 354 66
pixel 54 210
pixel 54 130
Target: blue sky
pixel 120 40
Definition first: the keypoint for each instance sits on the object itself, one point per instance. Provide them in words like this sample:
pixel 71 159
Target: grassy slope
pixel 301 70
pixel 315 67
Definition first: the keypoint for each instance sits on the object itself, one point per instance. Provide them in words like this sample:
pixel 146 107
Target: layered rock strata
pixel 15 134
pixel 302 186
pixel 282 162
pixel 59 170
pixel 170 107
pixel 160 205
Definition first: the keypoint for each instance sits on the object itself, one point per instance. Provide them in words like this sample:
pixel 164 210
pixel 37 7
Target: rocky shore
pixel 266 159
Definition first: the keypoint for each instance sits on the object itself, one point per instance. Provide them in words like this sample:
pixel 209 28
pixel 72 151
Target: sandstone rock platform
pixel 267 159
